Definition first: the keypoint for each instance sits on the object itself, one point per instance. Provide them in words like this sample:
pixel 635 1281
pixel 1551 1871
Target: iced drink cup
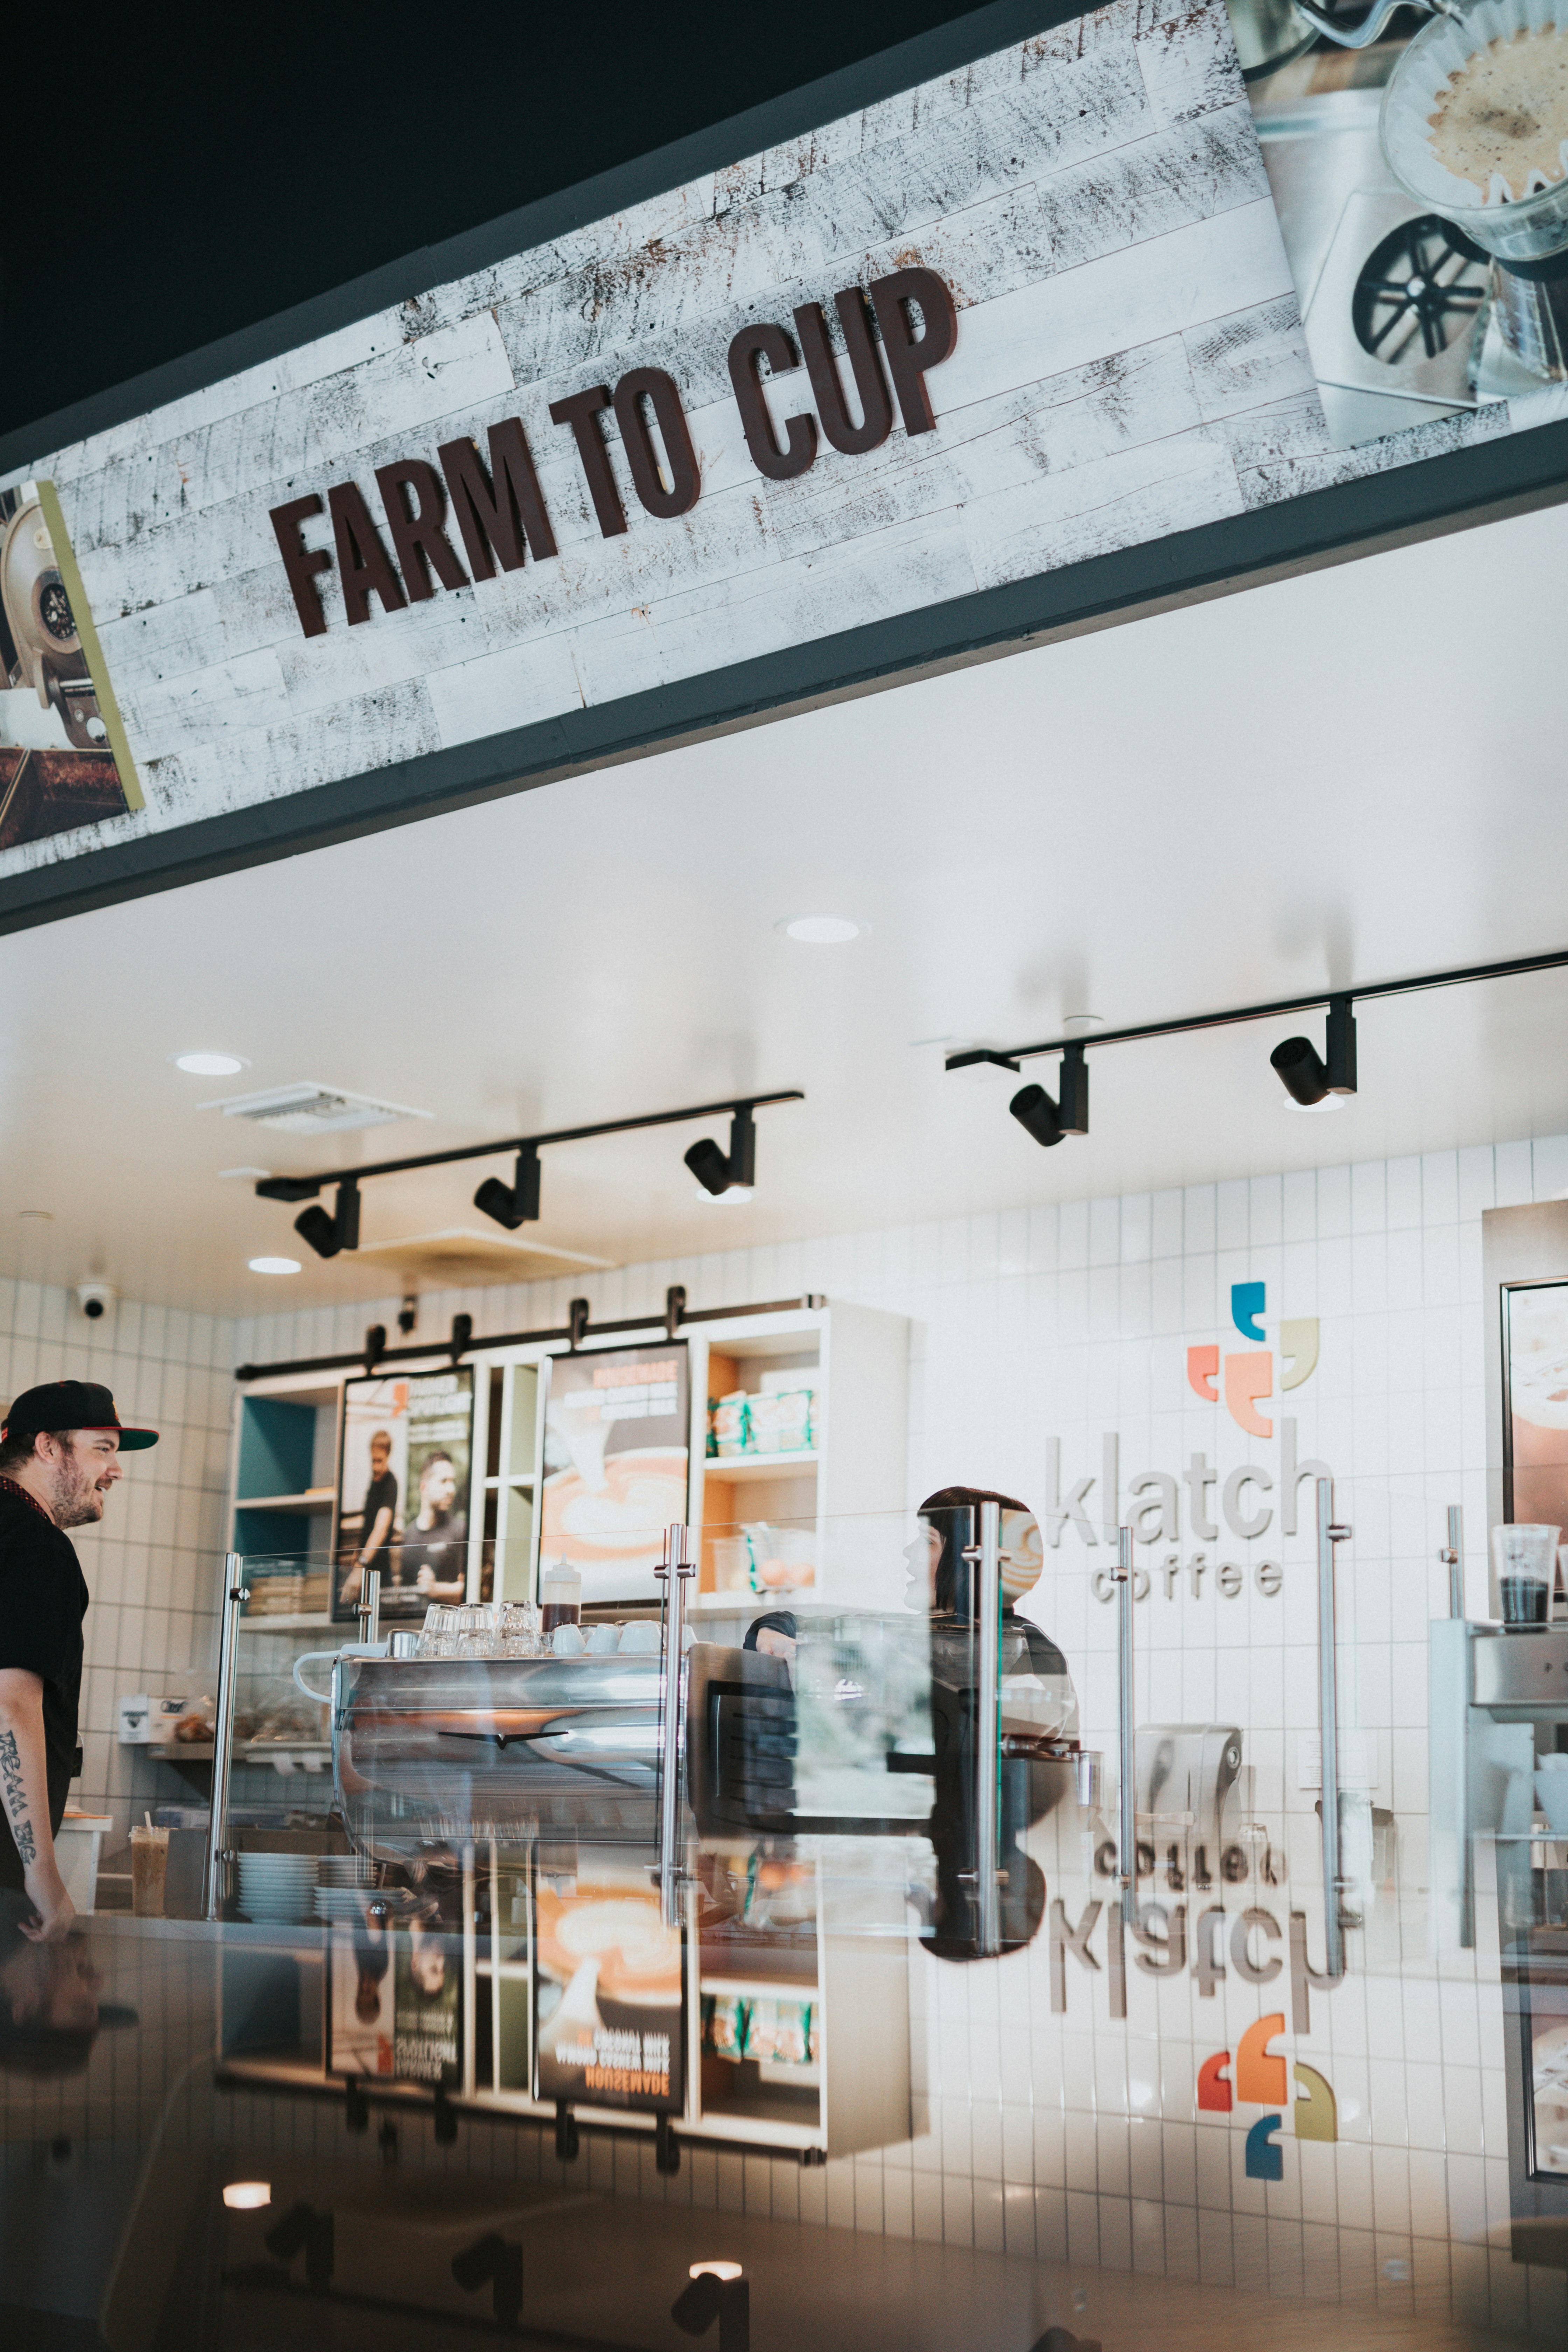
pixel 149 1870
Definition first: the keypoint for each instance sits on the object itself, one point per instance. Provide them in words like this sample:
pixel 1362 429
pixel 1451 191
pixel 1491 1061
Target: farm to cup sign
pixel 652 457
pixel 499 511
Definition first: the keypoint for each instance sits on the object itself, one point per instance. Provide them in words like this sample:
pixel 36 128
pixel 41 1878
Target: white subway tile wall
pixel 151 1565
pixel 1070 2136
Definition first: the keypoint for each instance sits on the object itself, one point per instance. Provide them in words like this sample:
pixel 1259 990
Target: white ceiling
pixel 1328 780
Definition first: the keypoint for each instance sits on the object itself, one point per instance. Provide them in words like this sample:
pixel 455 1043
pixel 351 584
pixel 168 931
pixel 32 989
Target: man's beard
pixel 78 1498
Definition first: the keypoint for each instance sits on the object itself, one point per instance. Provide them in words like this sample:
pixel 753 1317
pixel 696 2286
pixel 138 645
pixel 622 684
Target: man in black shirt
pixel 377 1519
pixel 59 1449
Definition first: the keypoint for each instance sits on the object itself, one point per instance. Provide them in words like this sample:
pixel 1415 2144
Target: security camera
pixel 95 1297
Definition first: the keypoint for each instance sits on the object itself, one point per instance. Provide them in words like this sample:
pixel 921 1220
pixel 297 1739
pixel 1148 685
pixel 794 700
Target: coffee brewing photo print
pixel 1420 170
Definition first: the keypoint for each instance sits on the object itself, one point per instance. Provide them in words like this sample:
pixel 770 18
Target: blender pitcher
pixel 1524 229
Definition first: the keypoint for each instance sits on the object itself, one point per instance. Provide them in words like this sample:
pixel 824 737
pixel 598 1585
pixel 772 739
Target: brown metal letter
pixel 663 393
pixel 495 510
pixel 364 562
pixel 581 411
pixel 422 545
pixel 909 356
pixel 875 408
pixel 770 343
pixel 301 562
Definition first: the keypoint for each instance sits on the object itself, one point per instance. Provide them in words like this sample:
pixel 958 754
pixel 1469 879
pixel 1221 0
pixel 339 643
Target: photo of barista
pixel 64 762
pixel 403 1492
pixel 1407 172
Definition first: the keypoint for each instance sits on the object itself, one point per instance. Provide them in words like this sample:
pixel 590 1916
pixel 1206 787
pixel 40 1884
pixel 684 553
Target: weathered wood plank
pixel 1117 500
pixel 1250 358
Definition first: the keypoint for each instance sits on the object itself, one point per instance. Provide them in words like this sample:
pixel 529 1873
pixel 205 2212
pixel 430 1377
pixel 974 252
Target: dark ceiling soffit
pixel 1521 470
pixel 945 49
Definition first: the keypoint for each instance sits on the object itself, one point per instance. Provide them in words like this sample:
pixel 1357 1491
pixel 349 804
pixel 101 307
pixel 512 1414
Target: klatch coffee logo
pixel 1220 1507
pixel 1250 1378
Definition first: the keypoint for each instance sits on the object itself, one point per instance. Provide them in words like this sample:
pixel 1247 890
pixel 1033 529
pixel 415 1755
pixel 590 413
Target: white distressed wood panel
pixel 1130 363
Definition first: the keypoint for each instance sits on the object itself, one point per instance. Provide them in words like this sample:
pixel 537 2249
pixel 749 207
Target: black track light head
pixel 314 1225
pixel 1306 1077
pixel 1035 1111
pixel 1048 1120
pixel 735 1172
pixel 1301 1071
pixel 328 1235
pixel 697 2305
pixel 710 1166
pixel 516 1203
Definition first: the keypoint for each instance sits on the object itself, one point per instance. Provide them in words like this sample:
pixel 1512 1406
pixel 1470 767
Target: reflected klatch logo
pixel 1259 2080
pixel 1250 1378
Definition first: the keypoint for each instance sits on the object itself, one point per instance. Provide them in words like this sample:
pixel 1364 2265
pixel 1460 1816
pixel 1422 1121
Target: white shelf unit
pixel 283 1478
pixel 855 1357
pixel 857 1360
pixel 856 2097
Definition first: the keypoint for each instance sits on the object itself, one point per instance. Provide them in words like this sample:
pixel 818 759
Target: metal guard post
pixel 988 1743
pixel 1127 1723
pixel 677 1565
pixel 1454 1559
pixel 1328 1535
pixel 370 1606
pixel 234 1600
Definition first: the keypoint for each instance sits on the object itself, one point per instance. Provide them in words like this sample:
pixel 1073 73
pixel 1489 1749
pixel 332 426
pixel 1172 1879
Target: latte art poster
pixel 617 1428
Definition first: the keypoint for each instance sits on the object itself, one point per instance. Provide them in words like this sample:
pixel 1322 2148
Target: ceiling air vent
pixel 307 1108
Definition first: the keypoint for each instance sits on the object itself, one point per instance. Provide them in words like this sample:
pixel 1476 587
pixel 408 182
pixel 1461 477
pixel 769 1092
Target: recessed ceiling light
pixel 821 930
pixel 245 2196
pixel 226 1174
pixel 1316 1110
pixel 274 1265
pixel 43 1216
pixel 1083 1020
pixel 210 1066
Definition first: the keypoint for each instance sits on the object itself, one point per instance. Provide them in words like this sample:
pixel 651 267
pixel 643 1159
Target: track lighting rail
pixel 1462 975
pixel 305 1188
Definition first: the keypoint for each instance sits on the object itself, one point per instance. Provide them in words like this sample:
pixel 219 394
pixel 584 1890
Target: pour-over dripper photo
pixel 1498 168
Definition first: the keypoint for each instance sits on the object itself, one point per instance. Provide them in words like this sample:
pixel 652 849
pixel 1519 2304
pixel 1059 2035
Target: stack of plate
pixel 276 1886
pixel 346 1882
pixel 345 1870
pixel 342 1902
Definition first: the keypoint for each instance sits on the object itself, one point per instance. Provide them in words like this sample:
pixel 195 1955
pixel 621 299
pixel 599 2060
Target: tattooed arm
pixel 25 1796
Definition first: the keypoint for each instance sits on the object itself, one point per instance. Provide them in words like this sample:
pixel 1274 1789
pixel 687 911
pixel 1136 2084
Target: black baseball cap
pixel 71 1404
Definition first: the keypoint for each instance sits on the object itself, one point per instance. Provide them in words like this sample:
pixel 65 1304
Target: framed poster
pixel 607 1994
pixel 1535 1402
pixel 403 1500
pixel 617 1426
pixel 362 1995
pixel 427 2006
pixel 63 759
